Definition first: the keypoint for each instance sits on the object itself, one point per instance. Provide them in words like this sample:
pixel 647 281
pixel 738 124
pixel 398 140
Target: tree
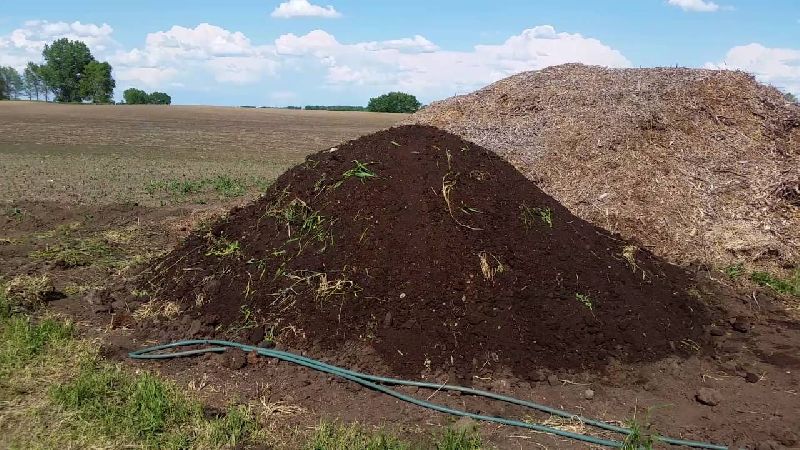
pixel 790 97
pixel 32 83
pixel 3 93
pixel 96 83
pixel 394 102
pixel 12 80
pixel 66 63
pixel 159 98
pixel 135 96
pixel 44 86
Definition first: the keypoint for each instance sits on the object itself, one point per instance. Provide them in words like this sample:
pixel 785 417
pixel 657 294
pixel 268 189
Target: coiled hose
pixel 380 384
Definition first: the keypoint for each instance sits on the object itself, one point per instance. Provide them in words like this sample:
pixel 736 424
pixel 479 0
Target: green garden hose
pixel 379 384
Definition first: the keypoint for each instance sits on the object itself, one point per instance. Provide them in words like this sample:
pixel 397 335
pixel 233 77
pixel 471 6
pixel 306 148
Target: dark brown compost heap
pixel 447 259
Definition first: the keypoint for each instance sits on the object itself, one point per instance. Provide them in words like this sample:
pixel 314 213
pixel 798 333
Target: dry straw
pixel 690 163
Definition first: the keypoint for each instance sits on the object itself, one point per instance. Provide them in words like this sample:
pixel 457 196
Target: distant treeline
pixel 331 108
pixel 393 102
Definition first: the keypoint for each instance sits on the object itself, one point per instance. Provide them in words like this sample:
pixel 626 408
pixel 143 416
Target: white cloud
pixel 417 64
pixel 146 76
pixel 695 5
pixel 779 67
pixel 26 43
pixel 210 57
pixel 227 56
pixel 417 43
pixel 303 8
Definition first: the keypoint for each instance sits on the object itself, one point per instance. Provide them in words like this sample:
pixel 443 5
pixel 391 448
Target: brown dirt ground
pixel 104 154
pixel 763 412
pixel 699 166
pixel 752 339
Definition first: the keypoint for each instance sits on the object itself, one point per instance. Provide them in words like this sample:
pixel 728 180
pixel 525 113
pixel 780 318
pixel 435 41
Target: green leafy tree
pixel 13 82
pixel 32 81
pixel 790 97
pixel 159 98
pixel 135 96
pixel 394 102
pixel 3 92
pixel 97 84
pixel 66 65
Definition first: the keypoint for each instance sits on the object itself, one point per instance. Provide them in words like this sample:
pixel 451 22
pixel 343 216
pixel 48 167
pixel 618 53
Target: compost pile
pixel 700 166
pixel 413 251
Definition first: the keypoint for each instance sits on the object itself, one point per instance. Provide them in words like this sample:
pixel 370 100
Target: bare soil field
pixel 407 252
pixel 148 154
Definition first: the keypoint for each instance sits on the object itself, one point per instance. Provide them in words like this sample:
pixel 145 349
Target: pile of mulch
pixel 700 166
pixel 415 252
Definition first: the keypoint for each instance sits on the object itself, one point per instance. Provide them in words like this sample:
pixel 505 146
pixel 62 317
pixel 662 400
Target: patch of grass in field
pixel 58 393
pixel 26 293
pixel 224 185
pixel 788 286
pixel 143 408
pixel 77 252
pixel 459 440
pixel 333 436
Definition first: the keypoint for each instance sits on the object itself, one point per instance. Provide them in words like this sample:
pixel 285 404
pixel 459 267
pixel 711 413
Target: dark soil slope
pixel 447 259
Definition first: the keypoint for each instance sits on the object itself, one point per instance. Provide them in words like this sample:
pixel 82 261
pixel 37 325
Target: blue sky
pixel 263 52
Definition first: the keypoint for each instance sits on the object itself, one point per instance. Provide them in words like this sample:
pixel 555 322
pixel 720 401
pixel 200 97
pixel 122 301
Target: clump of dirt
pixel 415 250
pixel 700 166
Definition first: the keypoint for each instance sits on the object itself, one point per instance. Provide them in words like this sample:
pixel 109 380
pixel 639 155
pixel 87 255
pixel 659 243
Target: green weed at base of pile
pixel 789 286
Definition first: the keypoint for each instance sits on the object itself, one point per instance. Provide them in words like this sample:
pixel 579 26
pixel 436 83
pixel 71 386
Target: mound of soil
pixel 697 165
pixel 414 251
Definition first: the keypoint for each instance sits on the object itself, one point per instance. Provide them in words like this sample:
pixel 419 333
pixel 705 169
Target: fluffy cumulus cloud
pixel 304 8
pixel 180 52
pixel 416 64
pixel 27 42
pixel 208 57
pixel 779 67
pixel 695 5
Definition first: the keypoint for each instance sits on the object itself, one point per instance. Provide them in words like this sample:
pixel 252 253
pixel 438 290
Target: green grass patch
pixel 788 286
pixel 222 247
pixel 25 293
pixel 301 221
pixel 459 440
pixel 530 216
pixel 77 252
pixel 640 437
pixel 223 185
pixel 148 410
pixel 734 271
pixel 22 339
pixel 332 436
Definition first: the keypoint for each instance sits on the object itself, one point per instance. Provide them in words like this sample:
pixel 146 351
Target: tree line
pixel 392 102
pixel 68 74
pixel 135 96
